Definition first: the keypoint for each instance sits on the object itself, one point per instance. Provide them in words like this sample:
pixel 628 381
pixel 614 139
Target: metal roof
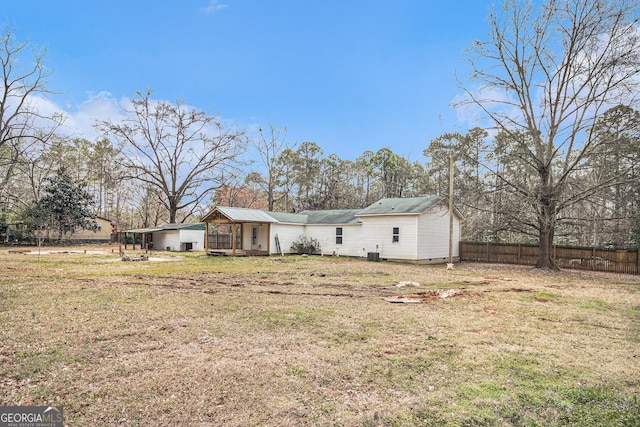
pixel 292 218
pixel 386 206
pixel 399 205
pixel 332 216
pixel 143 230
pixel 168 227
pixel 245 214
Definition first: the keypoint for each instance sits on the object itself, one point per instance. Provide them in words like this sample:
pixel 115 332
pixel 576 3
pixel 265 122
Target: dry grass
pixel 310 341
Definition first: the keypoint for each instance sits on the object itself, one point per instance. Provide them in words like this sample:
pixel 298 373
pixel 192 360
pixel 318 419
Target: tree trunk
pixel 270 200
pixel 546 227
pixel 545 250
pixel 173 210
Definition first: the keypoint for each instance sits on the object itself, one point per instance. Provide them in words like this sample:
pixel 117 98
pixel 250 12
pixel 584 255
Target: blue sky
pixel 350 75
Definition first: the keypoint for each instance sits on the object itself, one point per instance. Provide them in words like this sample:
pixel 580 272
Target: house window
pixel 338 235
pixel 396 235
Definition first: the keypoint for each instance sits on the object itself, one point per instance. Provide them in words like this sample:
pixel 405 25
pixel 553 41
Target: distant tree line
pixel 557 162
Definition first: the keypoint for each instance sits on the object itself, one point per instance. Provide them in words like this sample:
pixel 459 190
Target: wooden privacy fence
pixel 583 258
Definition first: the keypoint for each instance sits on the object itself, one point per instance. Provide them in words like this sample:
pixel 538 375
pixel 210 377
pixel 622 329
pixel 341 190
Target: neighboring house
pixel 101 234
pixel 403 229
pixel 170 237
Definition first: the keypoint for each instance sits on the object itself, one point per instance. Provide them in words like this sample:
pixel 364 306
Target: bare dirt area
pixel 211 341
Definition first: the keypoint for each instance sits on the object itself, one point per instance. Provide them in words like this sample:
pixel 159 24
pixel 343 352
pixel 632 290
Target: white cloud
pixel 80 122
pixel 213 7
pixel 101 106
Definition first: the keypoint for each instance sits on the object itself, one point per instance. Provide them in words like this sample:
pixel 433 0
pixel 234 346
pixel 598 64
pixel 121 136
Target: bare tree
pixel 21 123
pixel 270 147
pixel 546 75
pixel 175 149
pixel 148 208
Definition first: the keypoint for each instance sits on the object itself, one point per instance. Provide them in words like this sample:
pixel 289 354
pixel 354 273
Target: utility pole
pixel 450 265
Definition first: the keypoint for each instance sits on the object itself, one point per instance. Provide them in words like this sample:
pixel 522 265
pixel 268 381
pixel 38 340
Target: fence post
pixel 638 261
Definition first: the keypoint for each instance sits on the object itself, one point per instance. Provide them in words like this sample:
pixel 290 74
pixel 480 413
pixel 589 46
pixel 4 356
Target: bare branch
pixel 175 149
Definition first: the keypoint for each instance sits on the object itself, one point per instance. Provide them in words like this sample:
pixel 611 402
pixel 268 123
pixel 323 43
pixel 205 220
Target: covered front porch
pixel 237 252
pixel 237 232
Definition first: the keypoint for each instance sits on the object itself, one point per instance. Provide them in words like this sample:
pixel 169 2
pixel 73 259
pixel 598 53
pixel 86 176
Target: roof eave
pixel 393 214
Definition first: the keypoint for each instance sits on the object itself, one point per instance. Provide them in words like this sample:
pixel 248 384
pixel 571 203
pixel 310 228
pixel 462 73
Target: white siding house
pixel 402 229
pixel 171 237
pixel 286 235
pixel 434 229
pixel 378 236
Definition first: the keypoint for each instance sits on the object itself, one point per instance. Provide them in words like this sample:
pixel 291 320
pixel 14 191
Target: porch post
pixel 268 238
pixel 233 237
pixel 206 237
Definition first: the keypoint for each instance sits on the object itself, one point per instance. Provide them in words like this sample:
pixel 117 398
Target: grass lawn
pixel 271 341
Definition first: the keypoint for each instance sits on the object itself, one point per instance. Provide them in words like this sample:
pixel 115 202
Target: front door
pixel 254 238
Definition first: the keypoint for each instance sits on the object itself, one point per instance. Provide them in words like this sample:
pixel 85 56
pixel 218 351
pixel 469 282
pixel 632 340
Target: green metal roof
pixel 292 218
pixel 332 216
pixel 143 230
pixel 328 216
pixel 399 205
pixel 167 227
pixel 387 206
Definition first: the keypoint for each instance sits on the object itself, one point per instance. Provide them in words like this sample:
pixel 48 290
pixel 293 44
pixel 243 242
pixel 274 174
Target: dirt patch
pixel 425 297
pixel 476 282
pixel 61 252
pixel 149 259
